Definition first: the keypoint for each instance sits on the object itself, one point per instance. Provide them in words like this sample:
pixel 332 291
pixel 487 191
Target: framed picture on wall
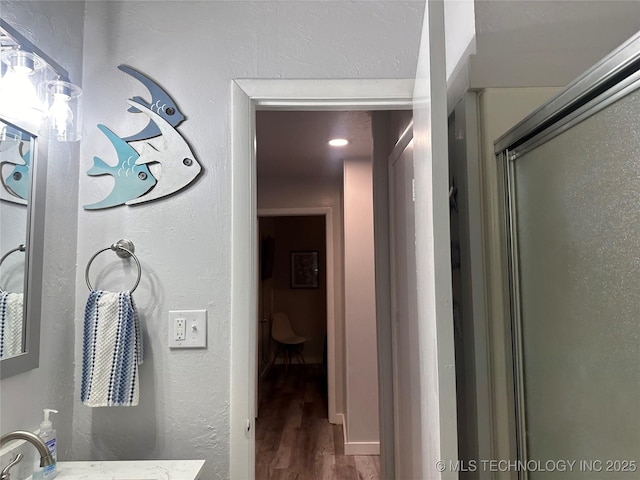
pixel 304 270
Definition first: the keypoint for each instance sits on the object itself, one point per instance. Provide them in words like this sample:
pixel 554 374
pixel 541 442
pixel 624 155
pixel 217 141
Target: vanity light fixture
pixel 33 87
pixel 18 92
pixel 61 121
pixel 338 142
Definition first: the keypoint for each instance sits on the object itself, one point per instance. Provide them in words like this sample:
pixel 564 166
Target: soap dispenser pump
pixel 48 436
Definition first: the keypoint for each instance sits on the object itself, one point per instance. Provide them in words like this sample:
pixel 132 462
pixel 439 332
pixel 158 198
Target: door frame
pixel 405 140
pixel 327 215
pixel 248 96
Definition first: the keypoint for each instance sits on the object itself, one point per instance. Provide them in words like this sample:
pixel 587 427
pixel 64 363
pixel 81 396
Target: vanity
pixel 17 460
pixel 131 470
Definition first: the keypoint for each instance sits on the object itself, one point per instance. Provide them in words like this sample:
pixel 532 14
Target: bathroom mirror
pixel 22 194
pixel 15 179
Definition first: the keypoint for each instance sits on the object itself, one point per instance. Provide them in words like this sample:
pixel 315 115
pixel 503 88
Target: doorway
pixel 293 433
pixel 313 94
pixel 296 168
pixel 285 233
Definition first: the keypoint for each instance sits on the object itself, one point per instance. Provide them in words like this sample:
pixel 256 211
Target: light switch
pixel 187 329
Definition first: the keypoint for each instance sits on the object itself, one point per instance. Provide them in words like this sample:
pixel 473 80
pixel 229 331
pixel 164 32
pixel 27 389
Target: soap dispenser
pixel 48 436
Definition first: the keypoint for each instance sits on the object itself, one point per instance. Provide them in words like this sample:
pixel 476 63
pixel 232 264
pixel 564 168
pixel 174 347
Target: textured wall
pixel 529 43
pixel 460 32
pixel 194 49
pixel 57 28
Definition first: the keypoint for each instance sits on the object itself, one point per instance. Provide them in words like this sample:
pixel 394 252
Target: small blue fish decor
pixel 131 180
pixel 16 181
pixel 134 183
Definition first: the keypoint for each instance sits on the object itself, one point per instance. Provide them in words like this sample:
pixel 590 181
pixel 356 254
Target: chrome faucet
pixel 45 457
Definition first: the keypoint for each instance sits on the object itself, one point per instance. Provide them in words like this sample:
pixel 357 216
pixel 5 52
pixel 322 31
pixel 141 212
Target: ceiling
pixel 294 143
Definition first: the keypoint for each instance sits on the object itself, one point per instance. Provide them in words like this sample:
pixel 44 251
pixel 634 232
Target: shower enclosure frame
pixel 608 81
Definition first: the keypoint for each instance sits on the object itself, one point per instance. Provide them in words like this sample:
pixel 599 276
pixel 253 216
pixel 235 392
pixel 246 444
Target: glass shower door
pixel 575 235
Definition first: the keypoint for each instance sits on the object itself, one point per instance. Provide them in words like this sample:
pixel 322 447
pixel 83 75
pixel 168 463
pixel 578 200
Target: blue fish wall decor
pixel 177 167
pixel 131 180
pixel 161 103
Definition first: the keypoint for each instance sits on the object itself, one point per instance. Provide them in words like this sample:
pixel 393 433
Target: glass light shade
pixel 18 93
pixel 63 120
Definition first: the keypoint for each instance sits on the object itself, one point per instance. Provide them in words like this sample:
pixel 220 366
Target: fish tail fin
pixel 100 167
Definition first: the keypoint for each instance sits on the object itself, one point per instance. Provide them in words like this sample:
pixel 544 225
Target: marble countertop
pixel 131 470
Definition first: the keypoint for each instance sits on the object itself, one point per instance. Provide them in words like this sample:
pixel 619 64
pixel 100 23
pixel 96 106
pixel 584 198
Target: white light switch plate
pixel 187 329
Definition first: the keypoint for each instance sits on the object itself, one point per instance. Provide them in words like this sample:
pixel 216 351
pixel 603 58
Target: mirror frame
pixel 34 254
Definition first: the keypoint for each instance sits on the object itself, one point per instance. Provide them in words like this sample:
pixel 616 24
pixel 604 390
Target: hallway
pixel 294 440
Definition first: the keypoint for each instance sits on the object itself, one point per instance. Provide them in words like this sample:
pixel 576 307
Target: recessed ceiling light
pixel 338 142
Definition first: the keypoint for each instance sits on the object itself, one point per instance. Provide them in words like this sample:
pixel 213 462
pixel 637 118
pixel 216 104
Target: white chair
pixel 289 342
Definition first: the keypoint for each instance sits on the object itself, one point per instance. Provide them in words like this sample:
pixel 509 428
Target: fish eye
pixel 170 111
pixel 17 176
pixel 187 162
pixel 142 176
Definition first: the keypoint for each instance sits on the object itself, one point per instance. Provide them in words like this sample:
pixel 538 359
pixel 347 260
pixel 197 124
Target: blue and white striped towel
pixel 111 350
pixel 11 325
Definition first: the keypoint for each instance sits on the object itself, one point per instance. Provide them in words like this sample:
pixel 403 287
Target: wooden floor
pixel 294 439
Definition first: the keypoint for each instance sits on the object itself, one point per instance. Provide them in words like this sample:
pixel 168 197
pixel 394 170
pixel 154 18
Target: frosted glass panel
pixel 578 226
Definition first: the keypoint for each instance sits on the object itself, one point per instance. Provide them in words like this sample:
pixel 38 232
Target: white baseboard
pixel 362 448
pixel 357 448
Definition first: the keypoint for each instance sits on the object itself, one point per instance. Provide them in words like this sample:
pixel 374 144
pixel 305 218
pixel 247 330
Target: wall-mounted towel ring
pixel 124 249
pixel 19 248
